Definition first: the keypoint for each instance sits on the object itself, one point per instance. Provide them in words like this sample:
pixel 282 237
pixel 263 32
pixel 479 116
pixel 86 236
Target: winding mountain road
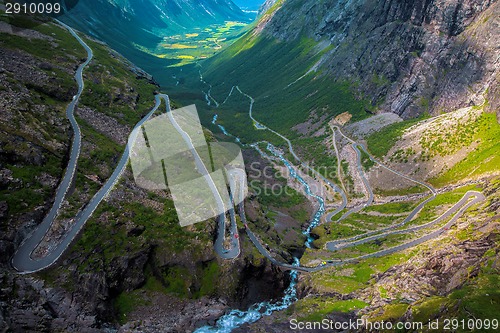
pixel 234 250
pixel 22 260
pixel 337 245
pixel 365 183
pixel 458 209
pixel 333 245
pixel 295 156
pixel 24 263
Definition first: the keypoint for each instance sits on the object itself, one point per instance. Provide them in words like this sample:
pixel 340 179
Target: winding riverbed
pixel 236 318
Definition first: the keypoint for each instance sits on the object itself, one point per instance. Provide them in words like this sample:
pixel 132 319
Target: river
pixel 236 318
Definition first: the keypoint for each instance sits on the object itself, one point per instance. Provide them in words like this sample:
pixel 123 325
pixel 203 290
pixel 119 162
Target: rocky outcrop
pixel 183 316
pixel 31 306
pixel 433 272
pixel 105 125
pixel 408 57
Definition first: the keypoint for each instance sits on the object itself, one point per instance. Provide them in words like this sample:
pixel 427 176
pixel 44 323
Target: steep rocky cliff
pixel 406 57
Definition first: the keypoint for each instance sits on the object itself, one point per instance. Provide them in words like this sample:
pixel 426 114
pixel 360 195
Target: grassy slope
pixel 484 159
pixel 379 143
pixel 477 298
pixel 268 69
pixel 264 68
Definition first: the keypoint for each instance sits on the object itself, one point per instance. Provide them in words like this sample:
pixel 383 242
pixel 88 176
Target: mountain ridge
pixel 405 57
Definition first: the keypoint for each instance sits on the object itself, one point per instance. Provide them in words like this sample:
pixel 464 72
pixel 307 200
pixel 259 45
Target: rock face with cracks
pixel 408 57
